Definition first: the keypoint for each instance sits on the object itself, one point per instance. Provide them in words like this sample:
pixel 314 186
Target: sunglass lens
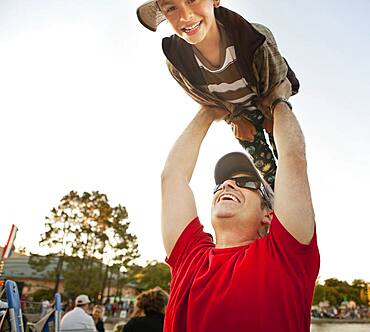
pixel 217 188
pixel 247 182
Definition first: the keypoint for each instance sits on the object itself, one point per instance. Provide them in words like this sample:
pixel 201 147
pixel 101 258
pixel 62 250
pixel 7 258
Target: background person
pixel 79 318
pixel 97 315
pixel 149 311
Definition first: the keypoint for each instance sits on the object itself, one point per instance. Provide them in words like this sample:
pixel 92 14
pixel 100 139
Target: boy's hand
pixel 243 129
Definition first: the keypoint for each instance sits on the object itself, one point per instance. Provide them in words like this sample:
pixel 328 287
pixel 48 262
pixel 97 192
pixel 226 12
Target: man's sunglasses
pixel 249 183
pixel 246 182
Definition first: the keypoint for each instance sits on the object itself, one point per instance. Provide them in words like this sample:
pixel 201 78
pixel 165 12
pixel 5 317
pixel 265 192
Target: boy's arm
pixel 292 201
pixel 270 68
pixel 178 204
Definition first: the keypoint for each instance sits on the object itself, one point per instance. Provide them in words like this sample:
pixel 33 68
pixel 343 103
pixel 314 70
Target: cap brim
pixel 233 163
pixel 150 16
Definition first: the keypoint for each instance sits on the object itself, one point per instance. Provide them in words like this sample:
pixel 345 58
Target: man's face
pixel 234 207
pixel 192 20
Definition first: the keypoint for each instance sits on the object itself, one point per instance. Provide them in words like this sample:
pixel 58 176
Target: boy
pixel 222 60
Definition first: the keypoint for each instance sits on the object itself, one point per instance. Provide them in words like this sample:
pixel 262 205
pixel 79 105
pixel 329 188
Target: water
pixel 340 327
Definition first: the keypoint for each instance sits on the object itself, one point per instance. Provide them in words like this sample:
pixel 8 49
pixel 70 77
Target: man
pixel 260 273
pixel 78 318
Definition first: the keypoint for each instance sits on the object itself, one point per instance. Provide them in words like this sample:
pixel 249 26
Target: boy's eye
pixel 170 9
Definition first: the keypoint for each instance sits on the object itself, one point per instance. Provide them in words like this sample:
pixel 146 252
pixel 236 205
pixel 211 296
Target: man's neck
pixel 230 239
pixel 233 244
pixel 82 308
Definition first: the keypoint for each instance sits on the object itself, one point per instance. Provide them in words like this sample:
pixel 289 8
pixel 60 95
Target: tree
pixel 359 288
pixel 152 275
pixel 39 263
pixel 42 294
pixel 336 291
pixel 89 234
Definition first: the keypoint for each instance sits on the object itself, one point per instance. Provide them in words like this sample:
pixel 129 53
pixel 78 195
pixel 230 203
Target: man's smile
pixel 227 196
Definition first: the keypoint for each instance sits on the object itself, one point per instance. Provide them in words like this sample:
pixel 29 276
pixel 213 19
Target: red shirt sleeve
pixel 304 258
pixel 281 236
pixel 191 242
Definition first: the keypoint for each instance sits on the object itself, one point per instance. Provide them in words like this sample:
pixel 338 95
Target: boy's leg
pixel 262 156
pixel 259 149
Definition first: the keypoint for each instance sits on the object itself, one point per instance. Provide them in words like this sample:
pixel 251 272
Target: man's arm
pixel 178 204
pixel 292 202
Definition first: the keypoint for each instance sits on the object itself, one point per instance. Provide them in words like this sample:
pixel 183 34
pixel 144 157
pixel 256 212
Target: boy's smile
pixel 193 29
pixel 192 20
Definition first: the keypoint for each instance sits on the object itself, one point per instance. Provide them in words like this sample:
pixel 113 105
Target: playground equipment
pixel 51 321
pixel 11 318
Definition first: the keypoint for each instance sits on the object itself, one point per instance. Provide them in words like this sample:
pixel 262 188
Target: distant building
pixel 17 268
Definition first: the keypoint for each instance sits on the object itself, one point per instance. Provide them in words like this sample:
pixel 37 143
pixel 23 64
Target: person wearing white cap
pixel 259 274
pixel 78 318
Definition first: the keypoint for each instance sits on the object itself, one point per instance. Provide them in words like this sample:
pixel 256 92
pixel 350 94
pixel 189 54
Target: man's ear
pixel 265 223
pixel 216 3
pixel 267 217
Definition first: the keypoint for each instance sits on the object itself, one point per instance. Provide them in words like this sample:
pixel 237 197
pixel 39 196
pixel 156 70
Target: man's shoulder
pixel 192 241
pixel 69 313
pixel 77 312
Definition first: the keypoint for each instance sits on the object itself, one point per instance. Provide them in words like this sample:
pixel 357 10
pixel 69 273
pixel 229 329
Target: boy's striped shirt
pixel 226 82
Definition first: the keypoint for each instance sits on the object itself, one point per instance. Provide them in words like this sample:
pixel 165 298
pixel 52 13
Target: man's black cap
pixel 234 163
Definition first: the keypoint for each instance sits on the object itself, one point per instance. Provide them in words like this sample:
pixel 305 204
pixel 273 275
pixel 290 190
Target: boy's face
pixel 192 20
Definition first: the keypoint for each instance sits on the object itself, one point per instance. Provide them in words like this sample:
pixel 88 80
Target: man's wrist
pixel 279 102
pixel 206 114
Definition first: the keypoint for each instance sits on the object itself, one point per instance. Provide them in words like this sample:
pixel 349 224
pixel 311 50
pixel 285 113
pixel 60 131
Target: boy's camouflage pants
pixel 262 153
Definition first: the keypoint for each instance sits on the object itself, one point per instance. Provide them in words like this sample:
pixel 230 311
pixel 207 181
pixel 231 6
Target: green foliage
pixel 319 294
pixel 39 263
pixel 152 275
pixel 359 283
pixel 336 291
pixel 43 294
pixel 78 278
pixel 88 235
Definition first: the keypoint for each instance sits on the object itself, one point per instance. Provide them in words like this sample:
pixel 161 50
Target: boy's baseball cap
pixel 150 15
pixel 236 162
pixel 82 299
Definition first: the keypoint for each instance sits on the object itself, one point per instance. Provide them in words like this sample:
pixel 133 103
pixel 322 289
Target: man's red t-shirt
pixel 266 286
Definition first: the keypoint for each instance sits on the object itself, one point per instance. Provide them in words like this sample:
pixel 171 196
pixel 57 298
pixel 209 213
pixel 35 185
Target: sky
pixel 87 103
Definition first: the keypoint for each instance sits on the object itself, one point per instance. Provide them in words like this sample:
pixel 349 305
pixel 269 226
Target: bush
pixel 43 294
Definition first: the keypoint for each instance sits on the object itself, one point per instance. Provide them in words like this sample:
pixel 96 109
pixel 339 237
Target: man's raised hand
pixel 216 113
